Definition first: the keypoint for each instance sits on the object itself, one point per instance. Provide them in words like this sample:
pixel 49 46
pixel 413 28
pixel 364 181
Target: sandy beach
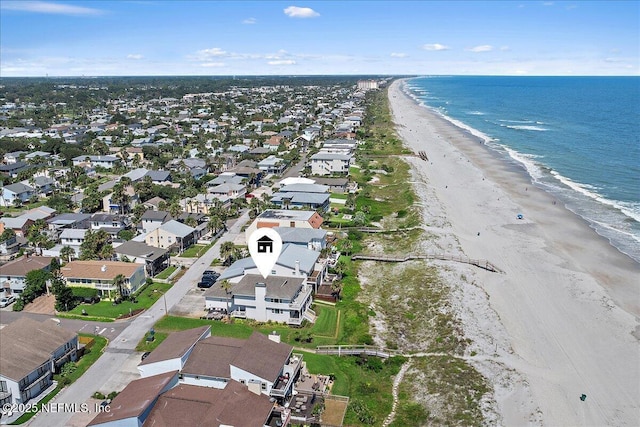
pixel 563 318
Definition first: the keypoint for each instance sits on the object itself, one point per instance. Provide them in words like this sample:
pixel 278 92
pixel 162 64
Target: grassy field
pixel 146 297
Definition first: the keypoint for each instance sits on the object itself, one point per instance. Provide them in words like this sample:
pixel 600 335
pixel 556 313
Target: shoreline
pixel 567 302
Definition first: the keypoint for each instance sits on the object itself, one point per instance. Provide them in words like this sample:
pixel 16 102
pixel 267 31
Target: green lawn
pixel 341 196
pixel 105 309
pixel 326 324
pixel 196 251
pixel 164 274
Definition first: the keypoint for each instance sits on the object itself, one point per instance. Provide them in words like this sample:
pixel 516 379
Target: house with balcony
pixel 300 200
pixel 277 298
pixel 14 273
pixel 228 190
pixel 150 220
pixel 31 352
pixel 154 259
pixel 330 164
pixel 171 235
pixel 294 261
pixel 261 364
pixel 16 193
pixel 100 274
pixel 272 164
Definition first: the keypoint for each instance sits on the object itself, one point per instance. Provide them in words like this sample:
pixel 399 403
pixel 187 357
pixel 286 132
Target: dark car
pixel 204 284
pixel 145 354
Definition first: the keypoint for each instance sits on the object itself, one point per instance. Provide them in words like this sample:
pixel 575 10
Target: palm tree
pixel 226 251
pixel 215 224
pixel 67 252
pixel 226 287
pixel 119 282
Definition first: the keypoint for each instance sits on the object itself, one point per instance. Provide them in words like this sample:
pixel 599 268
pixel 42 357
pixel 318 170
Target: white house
pixel 276 298
pixel 107 162
pixel 330 163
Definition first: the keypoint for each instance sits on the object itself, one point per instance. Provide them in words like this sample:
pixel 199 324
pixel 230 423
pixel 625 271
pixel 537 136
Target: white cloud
pixel 134 56
pixel 398 55
pixel 250 21
pixel 282 62
pixel 210 53
pixel 481 48
pixel 300 12
pixel 212 64
pixel 435 46
pixel 51 8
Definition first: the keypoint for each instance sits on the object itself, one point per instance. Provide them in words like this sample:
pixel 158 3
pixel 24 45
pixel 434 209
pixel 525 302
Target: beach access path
pixel 568 302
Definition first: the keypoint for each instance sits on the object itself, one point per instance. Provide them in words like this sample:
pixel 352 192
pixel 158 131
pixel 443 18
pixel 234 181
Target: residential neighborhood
pixel 158 183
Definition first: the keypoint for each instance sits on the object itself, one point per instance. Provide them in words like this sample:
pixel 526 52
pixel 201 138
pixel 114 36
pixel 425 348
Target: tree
pixel 226 251
pixel 346 246
pixel 215 224
pixel 65 299
pixel 119 282
pixel 68 253
pixel 7 234
pixel 226 287
pixel 35 285
pixel 360 218
pixel 96 245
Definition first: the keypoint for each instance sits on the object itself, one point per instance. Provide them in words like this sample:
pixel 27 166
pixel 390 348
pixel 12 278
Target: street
pixel 123 346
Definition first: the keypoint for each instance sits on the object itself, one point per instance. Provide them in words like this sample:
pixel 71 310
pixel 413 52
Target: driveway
pixel 122 348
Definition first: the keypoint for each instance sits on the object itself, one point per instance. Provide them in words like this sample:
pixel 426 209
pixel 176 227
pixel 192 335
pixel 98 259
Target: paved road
pixel 297 168
pixel 109 330
pixel 119 350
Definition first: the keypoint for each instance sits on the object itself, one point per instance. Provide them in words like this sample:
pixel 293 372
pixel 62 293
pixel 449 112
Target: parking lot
pixel 192 304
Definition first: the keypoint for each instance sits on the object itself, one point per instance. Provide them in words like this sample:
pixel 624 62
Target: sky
pixel 163 37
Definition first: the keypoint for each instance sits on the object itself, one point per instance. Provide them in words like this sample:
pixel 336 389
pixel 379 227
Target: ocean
pixel 577 137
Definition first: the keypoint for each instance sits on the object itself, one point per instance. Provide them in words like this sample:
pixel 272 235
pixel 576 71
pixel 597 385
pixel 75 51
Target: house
pixel 330 164
pixel 173 352
pixel 151 220
pixel 233 191
pixel 73 237
pixel 226 178
pixel 41 212
pixel 9 247
pixel 107 162
pixel 100 274
pixel 304 188
pixel 311 238
pixel 294 261
pixel 14 273
pixel 112 206
pixel 42 185
pixel 14 169
pixel 272 164
pixel 154 259
pixel 277 298
pixel 31 352
pixel 159 176
pixel 14 157
pixel 16 193
pixel 295 200
pixel 261 364
pixel 69 220
pixel 20 225
pixel 161 400
pixel 154 203
pixel 132 406
pixel 171 234
pixel 336 185
pixel 284 218
pixel 110 223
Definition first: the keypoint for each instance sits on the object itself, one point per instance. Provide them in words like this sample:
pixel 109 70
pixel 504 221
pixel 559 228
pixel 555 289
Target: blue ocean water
pixel 577 137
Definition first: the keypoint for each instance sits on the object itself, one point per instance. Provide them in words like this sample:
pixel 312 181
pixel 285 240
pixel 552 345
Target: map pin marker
pixel 265 245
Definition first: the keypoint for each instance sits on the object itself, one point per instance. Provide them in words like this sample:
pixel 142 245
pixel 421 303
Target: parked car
pixel 5 301
pixel 204 284
pixel 145 354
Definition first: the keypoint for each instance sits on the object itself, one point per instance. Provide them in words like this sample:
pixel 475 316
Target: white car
pixel 5 301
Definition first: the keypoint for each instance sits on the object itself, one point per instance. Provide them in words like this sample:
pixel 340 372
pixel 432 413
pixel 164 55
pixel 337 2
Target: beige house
pixel 171 234
pixel 100 274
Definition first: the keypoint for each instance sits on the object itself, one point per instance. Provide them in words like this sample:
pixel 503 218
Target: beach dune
pixel 568 301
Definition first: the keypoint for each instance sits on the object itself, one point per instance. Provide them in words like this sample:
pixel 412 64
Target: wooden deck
pixel 481 263
pixel 348 350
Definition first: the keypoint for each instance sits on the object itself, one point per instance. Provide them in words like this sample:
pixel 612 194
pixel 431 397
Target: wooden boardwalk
pixel 349 350
pixel 481 263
